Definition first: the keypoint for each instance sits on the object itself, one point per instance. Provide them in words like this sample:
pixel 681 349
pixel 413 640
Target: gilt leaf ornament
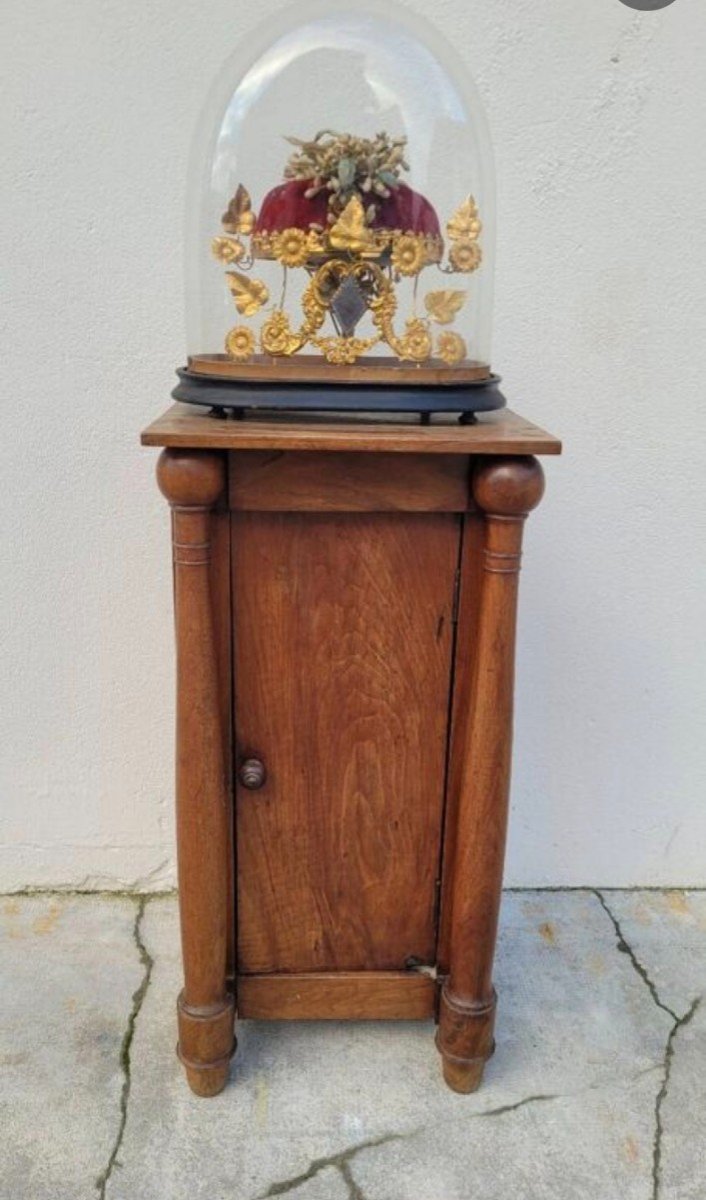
pixel 249 294
pixel 350 232
pixel 465 223
pixel 442 306
pixel 239 216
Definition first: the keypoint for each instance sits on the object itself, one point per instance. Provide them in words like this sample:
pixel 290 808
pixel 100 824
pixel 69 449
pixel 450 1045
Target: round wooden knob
pixel 252 774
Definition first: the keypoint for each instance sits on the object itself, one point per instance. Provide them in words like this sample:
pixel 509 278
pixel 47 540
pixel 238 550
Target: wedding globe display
pixel 340 224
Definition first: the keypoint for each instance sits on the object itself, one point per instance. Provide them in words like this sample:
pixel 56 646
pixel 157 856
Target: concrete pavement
pixel 597 1090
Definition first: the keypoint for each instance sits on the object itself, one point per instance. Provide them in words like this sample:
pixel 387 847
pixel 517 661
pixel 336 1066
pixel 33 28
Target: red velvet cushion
pixel 285 207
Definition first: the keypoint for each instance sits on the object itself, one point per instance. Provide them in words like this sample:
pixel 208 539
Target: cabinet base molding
pixel 338 996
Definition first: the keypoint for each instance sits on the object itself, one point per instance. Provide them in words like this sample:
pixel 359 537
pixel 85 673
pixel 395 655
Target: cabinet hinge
pixel 457 593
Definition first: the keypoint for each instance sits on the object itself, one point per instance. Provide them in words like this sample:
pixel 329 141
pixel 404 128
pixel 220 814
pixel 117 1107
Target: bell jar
pixel 340 215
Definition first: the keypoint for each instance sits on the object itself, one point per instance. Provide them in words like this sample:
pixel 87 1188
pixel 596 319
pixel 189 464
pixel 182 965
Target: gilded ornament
pixel 291 247
pixel 465 255
pixel 350 232
pixel 239 216
pixel 442 306
pixel 344 350
pixel 408 255
pixel 227 249
pixel 240 343
pixel 465 223
pixel 415 343
pixel 249 294
pixel 450 347
pixel 378 243
pixel 277 336
pixel 352 266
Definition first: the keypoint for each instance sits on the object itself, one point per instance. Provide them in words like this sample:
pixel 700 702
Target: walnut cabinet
pixel 345 598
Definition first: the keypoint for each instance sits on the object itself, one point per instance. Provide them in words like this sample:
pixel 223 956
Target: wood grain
pixel 505 490
pixel 500 432
pixel 193 483
pixel 318 637
pixel 223 631
pixel 343 996
pixel 342 671
pixel 294 481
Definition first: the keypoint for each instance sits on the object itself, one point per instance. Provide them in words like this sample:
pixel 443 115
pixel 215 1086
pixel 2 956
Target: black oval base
pixel 226 394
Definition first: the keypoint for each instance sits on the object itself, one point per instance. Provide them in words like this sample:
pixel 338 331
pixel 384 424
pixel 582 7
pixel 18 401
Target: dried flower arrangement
pixel 346 166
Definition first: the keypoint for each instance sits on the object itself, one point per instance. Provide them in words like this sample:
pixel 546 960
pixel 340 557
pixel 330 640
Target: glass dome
pixel 341 207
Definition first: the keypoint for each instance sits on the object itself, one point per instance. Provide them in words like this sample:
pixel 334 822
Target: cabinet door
pixel 343 632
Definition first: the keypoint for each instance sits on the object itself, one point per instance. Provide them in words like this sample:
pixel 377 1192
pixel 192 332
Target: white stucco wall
pixel 597 114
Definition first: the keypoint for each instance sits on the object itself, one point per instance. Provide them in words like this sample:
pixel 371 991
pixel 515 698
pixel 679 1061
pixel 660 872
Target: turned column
pixel 192 482
pixel 506 490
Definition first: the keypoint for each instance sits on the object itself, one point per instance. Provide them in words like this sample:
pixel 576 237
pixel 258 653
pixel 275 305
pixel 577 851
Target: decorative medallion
pixel 450 347
pixel 240 343
pixel 465 255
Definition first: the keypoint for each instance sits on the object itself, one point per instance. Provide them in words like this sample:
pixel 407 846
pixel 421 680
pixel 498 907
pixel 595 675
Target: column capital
pixel 191 478
pixel 508 487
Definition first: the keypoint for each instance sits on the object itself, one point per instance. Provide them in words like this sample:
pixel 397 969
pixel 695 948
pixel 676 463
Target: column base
pixel 462 1076
pixel 206 1081
pixel 206 1044
pixel 465 1039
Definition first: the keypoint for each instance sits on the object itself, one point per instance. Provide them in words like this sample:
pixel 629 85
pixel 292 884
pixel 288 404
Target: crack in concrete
pixel 355 1192
pixel 138 997
pixel 677 1023
pixel 70 890
pixel 540 1098
pixel 625 948
pixel 340 1161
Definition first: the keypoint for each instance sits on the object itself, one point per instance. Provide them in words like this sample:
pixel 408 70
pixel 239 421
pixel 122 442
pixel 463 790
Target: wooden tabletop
pixel 499 432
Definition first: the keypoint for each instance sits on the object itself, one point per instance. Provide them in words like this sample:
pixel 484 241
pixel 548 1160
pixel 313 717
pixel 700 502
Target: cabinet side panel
pixel 342 648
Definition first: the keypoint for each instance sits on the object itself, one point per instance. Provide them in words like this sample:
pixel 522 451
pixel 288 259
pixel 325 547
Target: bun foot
pixel 207 1081
pixel 206 1044
pixel 463 1077
pixel 465 1039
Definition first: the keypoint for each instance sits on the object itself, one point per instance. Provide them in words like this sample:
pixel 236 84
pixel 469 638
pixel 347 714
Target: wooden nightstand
pixel 345 596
